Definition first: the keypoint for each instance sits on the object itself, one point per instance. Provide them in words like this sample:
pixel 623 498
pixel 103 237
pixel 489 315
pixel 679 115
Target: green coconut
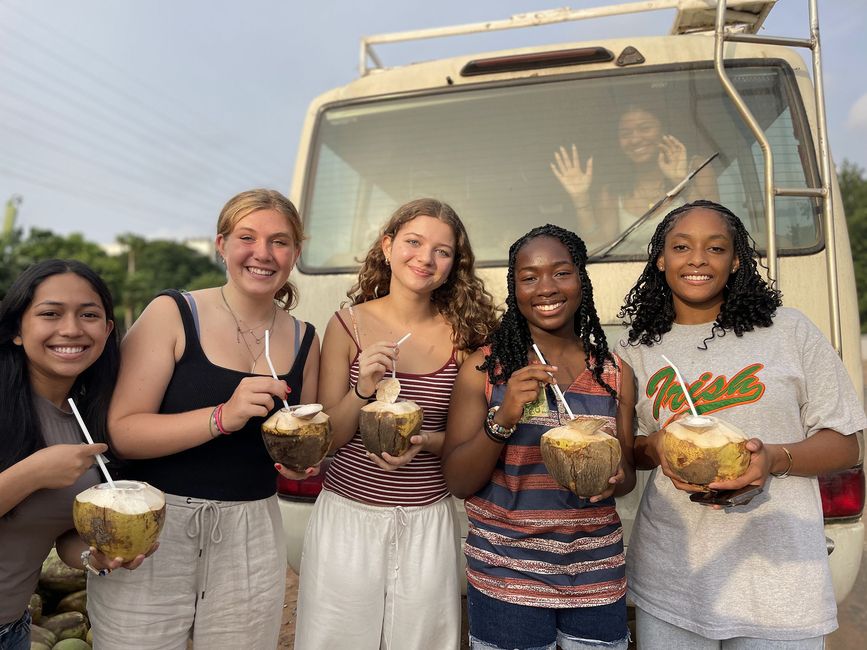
pixel 298 437
pixel 580 456
pixel 705 449
pixel 122 521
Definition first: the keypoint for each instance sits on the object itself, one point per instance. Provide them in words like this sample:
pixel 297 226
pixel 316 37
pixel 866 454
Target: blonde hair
pixel 246 203
pixel 461 299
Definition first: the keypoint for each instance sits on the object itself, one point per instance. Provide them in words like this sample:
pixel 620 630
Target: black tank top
pixel 233 467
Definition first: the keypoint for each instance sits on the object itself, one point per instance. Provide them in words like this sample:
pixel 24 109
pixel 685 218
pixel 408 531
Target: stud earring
pixel 387 262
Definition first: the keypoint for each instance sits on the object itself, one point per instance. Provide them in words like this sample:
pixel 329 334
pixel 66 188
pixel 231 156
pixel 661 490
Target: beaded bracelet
pixel 212 423
pixel 218 419
pixel 497 432
pixel 85 562
pixel 360 396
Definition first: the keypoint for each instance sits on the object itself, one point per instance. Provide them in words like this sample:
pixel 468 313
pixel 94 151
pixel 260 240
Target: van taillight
pixel 308 489
pixel 842 493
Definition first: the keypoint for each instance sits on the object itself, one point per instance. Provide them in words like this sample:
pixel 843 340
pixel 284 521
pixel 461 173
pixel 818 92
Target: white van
pixel 480 132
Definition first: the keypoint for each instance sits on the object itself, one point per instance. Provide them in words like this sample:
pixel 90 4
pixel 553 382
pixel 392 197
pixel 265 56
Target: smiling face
pixel 63 332
pixel 697 259
pixel 547 286
pixel 421 254
pixel 639 133
pixel 260 252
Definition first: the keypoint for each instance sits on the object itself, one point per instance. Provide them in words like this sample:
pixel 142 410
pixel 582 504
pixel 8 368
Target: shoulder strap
pixel 187 308
pixel 303 349
pixel 346 327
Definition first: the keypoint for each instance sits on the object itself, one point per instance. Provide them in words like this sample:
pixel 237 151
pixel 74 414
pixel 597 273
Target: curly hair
pixel 512 339
pixel 250 201
pixel 462 299
pixel 748 300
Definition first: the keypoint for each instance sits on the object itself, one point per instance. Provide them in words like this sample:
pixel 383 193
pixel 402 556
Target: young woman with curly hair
pixel 545 567
pixel 752 576
pixel 380 562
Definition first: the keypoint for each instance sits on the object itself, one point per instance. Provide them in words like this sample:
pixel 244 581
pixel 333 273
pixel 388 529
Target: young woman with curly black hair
pixel 545 568
pixel 754 576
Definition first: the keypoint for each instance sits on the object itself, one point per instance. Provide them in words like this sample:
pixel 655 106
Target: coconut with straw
pixel 702 449
pixel 297 437
pixel 579 455
pixel 388 423
pixel 119 518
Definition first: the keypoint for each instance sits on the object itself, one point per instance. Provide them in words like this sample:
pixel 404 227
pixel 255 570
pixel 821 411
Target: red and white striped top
pixel 420 482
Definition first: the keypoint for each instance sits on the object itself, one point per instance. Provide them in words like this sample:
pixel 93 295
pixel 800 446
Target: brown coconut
pixel 121 521
pixel 387 424
pixel 705 449
pixel 299 437
pixel 580 456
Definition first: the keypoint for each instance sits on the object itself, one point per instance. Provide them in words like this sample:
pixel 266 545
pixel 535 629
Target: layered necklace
pixel 242 332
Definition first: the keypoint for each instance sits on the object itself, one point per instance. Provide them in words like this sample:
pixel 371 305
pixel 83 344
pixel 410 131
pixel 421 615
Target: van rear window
pixel 488 151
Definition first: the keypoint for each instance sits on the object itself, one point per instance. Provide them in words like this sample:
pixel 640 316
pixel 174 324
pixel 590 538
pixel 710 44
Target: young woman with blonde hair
pixel 193 390
pixel 380 562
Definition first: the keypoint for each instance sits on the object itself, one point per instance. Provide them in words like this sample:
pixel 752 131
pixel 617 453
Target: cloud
pixel 857 118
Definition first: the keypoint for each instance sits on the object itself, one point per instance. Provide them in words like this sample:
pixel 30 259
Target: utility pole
pixel 11 214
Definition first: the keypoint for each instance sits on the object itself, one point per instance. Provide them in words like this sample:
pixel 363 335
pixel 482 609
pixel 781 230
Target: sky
pixel 123 116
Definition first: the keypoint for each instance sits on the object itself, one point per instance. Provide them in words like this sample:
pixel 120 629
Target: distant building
pixel 202 245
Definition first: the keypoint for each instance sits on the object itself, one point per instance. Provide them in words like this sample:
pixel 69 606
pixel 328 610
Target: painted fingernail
pixel 278 466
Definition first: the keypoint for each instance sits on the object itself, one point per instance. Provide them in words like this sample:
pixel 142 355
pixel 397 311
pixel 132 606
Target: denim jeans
pixel 16 635
pixel 497 625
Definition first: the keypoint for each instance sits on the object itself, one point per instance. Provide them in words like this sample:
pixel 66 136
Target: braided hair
pixel 511 340
pixel 748 300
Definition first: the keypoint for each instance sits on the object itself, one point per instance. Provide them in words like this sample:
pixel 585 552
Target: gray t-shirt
pixel 759 570
pixel 28 532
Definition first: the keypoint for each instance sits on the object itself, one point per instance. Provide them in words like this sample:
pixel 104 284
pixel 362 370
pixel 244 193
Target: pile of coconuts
pixel 702 449
pixel 298 437
pixel 387 424
pixel 59 608
pixel 580 456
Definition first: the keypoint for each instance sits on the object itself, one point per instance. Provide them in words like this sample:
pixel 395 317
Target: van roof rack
pixel 693 16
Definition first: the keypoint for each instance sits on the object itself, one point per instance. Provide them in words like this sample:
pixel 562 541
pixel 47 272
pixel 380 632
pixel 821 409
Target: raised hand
pixel 60 466
pixel 672 158
pixel 567 169
pixel 373 362
pixel 254 397
pixel 523 388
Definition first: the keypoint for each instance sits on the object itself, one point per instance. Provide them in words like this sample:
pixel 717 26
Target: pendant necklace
pixel 241 333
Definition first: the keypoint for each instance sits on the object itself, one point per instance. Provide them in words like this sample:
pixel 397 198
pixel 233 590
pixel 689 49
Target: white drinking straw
pixel 397 345
pixel 682 385
pixel 268 359
pixel 99 459
pixel 557 390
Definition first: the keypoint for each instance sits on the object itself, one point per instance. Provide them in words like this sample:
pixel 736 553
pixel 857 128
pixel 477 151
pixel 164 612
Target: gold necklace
pixel 241 333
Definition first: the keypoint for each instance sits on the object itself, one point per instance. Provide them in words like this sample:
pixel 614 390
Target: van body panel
pixel 671 63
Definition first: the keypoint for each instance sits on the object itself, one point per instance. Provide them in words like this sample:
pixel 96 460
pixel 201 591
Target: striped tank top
pixel 418 483
pixel 532 542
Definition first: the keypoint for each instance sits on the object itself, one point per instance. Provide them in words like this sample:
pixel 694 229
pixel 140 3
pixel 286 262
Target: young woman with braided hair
pixel 755 576
pixel 545 568
pixel 380 566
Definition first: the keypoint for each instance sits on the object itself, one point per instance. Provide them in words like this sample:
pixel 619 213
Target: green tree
pixel 853 188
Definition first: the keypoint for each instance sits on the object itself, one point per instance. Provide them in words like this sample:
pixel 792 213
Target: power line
pixel 95 105
pixel 100 143
pixel 76 185
pixel 136 100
